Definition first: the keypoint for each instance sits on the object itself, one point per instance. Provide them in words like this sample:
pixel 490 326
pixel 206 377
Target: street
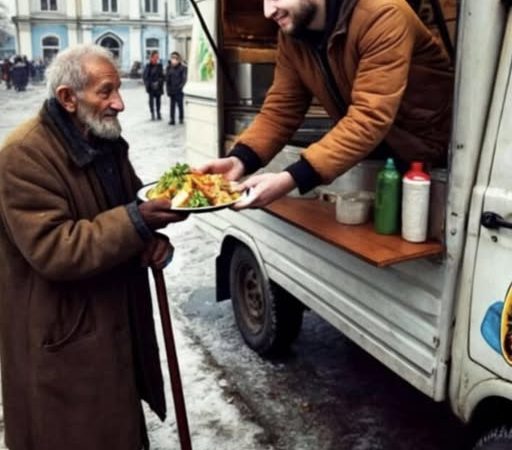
pixel 326 394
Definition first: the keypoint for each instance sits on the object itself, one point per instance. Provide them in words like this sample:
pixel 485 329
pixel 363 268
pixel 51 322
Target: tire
pixel 497 439
pixel 268 317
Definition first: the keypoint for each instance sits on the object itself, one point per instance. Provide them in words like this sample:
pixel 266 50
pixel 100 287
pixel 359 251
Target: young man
pixel 153 78
pixel 175 79
pixel 77 339
pixel 378 72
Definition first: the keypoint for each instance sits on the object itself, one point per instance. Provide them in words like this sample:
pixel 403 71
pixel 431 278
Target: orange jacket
pixel 391 72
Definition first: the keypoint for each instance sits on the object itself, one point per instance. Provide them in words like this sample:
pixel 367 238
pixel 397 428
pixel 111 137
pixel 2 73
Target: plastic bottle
pixel 415 203
pixel 387 199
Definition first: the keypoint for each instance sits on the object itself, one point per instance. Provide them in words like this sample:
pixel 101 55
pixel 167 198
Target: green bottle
pixel 387 199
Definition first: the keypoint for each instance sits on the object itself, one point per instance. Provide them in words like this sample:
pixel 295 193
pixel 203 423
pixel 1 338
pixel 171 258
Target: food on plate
pixel 188 189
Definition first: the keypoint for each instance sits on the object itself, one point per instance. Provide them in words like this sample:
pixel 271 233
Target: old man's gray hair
pixel 68 67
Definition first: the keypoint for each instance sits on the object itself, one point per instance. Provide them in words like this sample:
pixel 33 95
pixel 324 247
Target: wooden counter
pixel 319 219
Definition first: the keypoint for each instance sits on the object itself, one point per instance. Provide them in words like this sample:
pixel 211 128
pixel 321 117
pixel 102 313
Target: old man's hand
pixel 157 214
pixel 158 252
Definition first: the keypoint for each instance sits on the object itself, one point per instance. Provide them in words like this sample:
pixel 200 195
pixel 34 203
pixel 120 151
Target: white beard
pixel 101 127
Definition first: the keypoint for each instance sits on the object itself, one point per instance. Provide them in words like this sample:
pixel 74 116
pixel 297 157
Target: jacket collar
pixel 345 11
pixel 80 151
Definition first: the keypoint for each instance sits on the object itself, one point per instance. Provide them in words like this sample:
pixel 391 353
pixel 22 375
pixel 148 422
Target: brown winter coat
pixel 77 340
pixel 391 73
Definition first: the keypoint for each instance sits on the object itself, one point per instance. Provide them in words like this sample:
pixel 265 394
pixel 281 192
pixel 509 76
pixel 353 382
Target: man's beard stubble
pixel 103 128
pixel 303 18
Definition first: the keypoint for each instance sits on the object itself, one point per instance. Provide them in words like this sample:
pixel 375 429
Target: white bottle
pixel 415 203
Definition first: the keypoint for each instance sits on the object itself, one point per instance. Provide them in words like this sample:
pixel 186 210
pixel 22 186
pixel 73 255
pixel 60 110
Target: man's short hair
pixel 68 67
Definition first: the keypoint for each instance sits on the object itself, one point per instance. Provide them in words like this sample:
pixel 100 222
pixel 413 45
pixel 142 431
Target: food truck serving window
pixel 245 25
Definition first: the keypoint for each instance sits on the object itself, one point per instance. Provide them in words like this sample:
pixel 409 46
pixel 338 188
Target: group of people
pixel 77 340
pixel 17 71
pixel 174 79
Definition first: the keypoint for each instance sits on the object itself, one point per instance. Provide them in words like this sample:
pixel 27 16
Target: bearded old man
pixel 378 71
pixel 77 339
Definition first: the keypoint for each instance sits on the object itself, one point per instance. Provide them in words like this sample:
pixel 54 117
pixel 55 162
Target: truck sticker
pixel 496 327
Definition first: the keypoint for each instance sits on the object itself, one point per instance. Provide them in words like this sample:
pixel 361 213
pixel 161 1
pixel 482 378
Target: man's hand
pixel 265 188
pixel 158 252
pixel 156 213
pixel 232 168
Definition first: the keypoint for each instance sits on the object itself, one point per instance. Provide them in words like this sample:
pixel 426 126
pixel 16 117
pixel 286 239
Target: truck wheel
pixel 497 439
pixel 268 318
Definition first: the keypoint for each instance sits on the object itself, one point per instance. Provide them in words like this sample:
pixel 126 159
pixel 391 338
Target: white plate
pixel 141 195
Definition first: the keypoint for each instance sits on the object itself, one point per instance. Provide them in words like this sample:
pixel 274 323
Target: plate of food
pixel 191 191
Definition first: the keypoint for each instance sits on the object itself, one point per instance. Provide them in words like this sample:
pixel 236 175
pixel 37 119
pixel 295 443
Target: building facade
pixel 7 44
pixel 131 29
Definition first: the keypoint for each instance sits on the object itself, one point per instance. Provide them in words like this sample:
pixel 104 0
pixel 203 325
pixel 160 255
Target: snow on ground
pixel 215 421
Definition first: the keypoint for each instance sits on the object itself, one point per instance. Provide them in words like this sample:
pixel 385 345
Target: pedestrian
pixel 31 68
pixel 6 72
pixel 19 74
pixel 175 79
pixel 38 70
pixel 154 81
pixel 77 339
pixel 379 73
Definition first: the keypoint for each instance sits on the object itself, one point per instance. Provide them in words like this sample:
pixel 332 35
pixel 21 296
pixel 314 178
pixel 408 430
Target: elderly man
pixel 77 338
pixel 379 73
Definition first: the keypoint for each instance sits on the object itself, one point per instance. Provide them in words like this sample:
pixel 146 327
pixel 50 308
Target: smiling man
pixel 293 17
pixel 380 74
pixel 77 339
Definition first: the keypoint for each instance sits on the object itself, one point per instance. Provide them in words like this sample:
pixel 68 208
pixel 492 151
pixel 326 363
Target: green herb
pixel 173 178
pixel 197 199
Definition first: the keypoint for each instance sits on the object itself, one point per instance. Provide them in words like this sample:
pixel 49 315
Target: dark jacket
pixel 77 340
pixel 20 73
pixel 6 70
pixel 390 72
pixel 175 78
pixel 153 77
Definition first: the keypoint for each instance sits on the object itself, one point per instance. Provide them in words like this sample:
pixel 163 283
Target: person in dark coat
pixel 175 79
pixel 154 81
pixel 6 72
pixel 20 74
pixel 78 345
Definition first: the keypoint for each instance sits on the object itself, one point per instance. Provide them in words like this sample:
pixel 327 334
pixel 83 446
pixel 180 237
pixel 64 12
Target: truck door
pixel 493 222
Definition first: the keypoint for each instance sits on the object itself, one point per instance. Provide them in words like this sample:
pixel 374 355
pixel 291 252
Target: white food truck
pixel 435 313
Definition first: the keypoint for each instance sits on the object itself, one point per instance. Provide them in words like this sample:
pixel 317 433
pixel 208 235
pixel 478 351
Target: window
pixel 48 5
pixel 109 6
pixel 112 44
pixel 152 44
pixel 183 7
pixel 50 46
pixel 151 6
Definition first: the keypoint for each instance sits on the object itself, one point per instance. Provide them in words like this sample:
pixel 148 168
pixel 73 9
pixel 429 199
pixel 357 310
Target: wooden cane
pixel 172 361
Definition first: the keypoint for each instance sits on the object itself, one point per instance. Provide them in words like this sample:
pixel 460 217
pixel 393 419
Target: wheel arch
pixel 489 405
pixel 233 237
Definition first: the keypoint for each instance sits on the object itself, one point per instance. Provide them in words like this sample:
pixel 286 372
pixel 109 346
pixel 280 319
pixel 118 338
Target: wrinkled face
pixel 100 102
pixel 292 16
